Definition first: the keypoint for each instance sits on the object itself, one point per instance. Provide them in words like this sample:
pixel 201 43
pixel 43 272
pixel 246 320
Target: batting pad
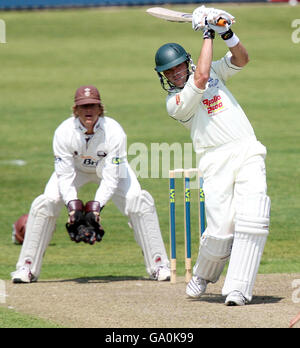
pixel 144 221
pixel 39 230
pixel 250 236
pixel 213 254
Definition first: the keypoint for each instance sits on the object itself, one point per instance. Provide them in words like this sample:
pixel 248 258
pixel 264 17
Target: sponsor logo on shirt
pixel 89 161
pixel 213 105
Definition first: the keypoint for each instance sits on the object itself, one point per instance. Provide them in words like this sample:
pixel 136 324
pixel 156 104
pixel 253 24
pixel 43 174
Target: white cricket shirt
pixel 213 115
pixel 101 153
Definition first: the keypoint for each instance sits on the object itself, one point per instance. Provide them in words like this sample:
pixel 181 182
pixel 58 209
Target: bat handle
pixel 222 22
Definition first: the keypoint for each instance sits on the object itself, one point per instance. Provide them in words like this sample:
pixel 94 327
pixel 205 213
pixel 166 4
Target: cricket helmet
pixel 168 56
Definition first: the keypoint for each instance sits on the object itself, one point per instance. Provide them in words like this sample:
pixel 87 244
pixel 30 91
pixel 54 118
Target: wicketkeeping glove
pixel 94 231
pixel 86 234
pixel 76 219
pixel 84 222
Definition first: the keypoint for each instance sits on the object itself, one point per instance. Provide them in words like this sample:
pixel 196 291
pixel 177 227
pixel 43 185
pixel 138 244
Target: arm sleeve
pixel 183 104
pixel 224 68
pixel 113 168
pixel 64 167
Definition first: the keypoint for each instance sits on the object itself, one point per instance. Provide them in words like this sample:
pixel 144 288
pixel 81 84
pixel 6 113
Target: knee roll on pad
pixel 143 203
pixel 254 217
pixel 255 206
pixel 252 225
pixel 213 254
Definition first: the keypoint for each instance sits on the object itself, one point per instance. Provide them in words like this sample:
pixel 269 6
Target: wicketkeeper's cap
pixel 87 95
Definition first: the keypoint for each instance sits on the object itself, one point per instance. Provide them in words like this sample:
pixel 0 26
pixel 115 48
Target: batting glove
pixel 199 18
pixel 215 16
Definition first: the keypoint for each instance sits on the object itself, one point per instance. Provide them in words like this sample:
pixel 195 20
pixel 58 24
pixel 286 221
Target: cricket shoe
pixel 23 275
pixel 161 274
pixel 196 287
pixel 235 298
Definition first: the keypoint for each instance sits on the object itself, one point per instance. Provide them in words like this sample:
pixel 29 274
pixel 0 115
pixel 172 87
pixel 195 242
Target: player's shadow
pixel 100 279
pixel 217 298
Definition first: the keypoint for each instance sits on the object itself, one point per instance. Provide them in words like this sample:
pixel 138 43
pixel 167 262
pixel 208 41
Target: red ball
pixel 19 229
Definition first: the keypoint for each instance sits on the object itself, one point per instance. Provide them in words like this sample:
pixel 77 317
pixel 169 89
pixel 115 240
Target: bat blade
pixel 170 15
pixel 177 16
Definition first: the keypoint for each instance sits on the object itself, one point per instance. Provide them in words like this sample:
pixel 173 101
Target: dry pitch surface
pixel 140 303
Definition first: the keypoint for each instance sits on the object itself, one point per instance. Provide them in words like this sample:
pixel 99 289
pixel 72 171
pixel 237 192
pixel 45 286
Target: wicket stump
pixel 187 219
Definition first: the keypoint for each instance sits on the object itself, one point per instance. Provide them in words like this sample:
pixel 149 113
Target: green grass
pixel 23 321
pixel 50 53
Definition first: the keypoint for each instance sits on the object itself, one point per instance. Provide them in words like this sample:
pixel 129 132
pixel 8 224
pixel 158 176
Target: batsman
pixel 231 158
pixel 91 147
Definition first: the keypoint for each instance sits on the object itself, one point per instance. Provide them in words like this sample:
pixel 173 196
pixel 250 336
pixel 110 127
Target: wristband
pixel 209 34
pixel 230 38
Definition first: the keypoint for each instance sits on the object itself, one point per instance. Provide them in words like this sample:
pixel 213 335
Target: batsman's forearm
pixel 239 55
pixel 202 72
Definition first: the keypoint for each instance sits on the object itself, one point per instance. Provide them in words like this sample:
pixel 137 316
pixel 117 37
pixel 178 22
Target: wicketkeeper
pixel 90 147
pixel 232 161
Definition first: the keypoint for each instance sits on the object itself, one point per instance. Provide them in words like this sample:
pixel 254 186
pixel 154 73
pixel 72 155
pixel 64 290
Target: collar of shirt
pixel 82 129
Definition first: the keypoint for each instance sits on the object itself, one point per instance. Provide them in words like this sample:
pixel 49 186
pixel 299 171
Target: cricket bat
pixel 170 15
pixel 176 16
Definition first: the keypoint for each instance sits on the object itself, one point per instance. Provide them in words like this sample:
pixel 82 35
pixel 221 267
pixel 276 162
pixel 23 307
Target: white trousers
pixel 232 173
pixel 237 213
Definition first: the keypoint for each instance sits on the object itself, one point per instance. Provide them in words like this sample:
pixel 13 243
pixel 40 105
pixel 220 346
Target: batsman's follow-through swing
pixel 231 159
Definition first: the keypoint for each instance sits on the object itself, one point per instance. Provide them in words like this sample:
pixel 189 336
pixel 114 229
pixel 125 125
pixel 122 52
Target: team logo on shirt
pixel 177 99
pixel 117 160
pixel 213 105
pixel 212 82
pixel 101 154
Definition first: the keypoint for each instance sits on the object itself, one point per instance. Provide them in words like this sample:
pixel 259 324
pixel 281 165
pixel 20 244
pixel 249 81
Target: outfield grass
pixel 49 54
pixel 10 319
